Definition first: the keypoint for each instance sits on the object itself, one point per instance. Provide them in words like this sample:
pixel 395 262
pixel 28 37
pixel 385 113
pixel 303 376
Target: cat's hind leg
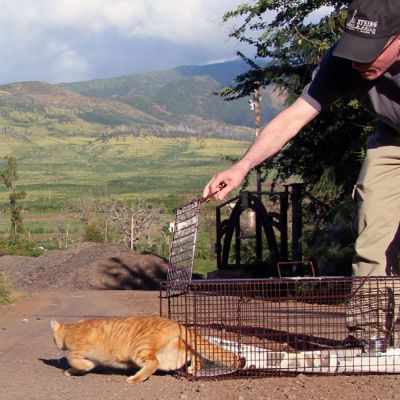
pixel 148 368
pixel 79 365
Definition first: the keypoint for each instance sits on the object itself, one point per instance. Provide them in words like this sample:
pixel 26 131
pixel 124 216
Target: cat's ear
pixel 54 325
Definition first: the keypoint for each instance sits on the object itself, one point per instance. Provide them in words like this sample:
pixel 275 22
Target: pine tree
pixel 9 177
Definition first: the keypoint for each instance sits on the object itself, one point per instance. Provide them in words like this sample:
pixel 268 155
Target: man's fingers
pixel 224 192
pixel 214 186
pixel 222 184
pixel 206 191
pixel 208 188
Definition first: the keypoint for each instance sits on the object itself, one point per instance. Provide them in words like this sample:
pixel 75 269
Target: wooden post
pixel 132 232
pixel 258 172
pixel 67 237
pixel 258 126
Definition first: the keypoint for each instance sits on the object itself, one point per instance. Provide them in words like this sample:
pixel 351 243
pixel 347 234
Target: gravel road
pixel 31 367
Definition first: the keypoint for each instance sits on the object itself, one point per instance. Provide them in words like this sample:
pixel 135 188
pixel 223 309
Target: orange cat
pixel 150 343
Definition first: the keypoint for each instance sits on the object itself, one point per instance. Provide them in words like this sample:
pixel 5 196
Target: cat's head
pixel 58 333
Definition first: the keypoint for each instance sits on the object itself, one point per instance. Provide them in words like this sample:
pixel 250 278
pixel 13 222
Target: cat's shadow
pixel 62 363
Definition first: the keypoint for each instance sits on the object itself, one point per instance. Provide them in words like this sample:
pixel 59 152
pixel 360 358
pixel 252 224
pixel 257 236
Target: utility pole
pixel 255 105
pixel 257 100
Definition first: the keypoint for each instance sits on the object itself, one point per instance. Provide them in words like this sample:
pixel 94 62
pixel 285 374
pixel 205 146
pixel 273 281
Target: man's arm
pixel 271 139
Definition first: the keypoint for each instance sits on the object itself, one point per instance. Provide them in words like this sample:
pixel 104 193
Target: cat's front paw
pixel 135 379
pixel 73 372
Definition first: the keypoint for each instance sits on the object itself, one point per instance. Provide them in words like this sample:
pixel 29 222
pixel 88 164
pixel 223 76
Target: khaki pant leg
pixel 377 193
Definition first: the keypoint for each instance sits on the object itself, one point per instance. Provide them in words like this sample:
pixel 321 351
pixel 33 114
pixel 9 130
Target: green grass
pixel 203 267
pixel 53 170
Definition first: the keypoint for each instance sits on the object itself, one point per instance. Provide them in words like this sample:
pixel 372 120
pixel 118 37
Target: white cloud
pixel 66 62
pixel 316 15
pixel 66 33
pixel 176 20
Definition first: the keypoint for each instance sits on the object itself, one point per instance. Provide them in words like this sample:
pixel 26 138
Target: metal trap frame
pixel 280 326
pixel 183 246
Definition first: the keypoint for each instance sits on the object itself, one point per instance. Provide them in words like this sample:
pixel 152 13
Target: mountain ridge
pixel 154 88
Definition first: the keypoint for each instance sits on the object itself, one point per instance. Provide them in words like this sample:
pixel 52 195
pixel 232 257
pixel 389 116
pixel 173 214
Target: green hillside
pixel 187 90
pixel 149 82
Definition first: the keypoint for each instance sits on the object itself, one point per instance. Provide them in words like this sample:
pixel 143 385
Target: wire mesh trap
pixel 279 326
pixel 183 247
pixel 288 326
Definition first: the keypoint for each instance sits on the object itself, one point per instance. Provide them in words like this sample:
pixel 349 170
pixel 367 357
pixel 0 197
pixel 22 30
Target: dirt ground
pixel 89 266
pixel 31 367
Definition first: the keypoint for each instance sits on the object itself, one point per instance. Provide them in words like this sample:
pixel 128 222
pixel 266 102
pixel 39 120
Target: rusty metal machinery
pixel 274 225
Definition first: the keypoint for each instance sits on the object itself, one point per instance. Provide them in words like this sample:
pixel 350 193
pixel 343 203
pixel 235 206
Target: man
pixel 364 63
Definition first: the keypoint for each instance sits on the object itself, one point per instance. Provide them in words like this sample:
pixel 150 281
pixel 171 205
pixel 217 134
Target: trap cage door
pixel 183 247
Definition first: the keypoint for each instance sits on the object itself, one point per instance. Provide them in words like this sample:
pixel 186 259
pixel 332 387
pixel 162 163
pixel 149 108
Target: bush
pixel 93 234
pixel 5 290
pixel 331 249
pixel 19 247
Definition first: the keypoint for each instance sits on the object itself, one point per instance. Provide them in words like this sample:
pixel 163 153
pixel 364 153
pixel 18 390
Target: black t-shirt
pixel 334 78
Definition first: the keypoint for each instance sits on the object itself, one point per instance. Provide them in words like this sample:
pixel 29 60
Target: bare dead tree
pixel 86 208
pixel 62 235
pixel 135 219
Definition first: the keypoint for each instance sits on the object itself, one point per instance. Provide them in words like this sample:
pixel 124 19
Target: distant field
pixel 171 171
pixel 53 169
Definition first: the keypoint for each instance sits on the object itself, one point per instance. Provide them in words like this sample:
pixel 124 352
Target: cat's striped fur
pixel 148 342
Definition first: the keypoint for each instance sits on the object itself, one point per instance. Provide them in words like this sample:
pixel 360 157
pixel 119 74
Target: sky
pixel 57 41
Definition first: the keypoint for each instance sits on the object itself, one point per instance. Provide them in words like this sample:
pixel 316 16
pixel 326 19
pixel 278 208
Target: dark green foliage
pixel 121 87
pixel 93 234
pixel 330 249
pixel 169 203
pixel 9 177
pixel 223 73
pixel 106 118
pixel 5 290
pixel 17 246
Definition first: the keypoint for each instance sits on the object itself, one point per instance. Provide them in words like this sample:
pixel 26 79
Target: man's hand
pixel 224 182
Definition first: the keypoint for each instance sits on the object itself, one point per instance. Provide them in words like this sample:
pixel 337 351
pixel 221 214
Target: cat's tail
pixel 216 353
